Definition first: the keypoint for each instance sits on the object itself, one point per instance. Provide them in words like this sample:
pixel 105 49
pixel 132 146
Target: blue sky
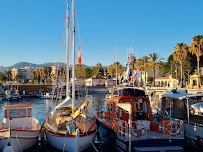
pixel 31 30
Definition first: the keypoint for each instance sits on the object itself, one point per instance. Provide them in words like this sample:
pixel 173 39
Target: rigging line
pixel 78 29
pixel 78 24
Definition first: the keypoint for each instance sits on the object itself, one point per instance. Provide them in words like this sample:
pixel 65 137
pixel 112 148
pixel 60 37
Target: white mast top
pixel 67 52
pixel 73 67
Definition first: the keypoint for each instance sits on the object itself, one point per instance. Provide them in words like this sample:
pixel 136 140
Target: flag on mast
pixel 79 57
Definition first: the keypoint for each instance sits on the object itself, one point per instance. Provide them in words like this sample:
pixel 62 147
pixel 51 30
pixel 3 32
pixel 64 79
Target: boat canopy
pixel 18 106
pixel 181 96
pixel 130 91
pixel 67 103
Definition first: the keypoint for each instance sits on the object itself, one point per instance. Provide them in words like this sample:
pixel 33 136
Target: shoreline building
pixel 23 71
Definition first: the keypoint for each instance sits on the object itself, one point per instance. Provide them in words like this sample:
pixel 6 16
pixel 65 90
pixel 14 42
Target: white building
pixel 23 71
pixel 148 74
pixel 166 82
pixel 95 81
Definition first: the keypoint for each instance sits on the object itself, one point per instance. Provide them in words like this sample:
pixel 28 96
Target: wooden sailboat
pixel 68 127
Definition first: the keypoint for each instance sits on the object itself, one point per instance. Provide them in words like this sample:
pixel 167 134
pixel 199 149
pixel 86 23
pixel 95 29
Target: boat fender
pixel 69 127
pixel 142 130
pixel 171 125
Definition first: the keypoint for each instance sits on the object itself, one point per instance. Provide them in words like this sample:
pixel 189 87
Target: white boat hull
pixel 20 140
pixel 70 143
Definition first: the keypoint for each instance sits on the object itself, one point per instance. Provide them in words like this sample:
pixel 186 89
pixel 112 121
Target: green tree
pixel 180 55
pixel 97 70
pixel 3 78
pixel 34 79
pixel 155 63
pixel 143 65
pixel 19 77
pixel 196 47
pixel 8 74
pixel 112 69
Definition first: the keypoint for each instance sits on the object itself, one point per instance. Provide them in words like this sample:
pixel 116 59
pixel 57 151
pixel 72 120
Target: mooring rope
pixel 64 144
pixel 18 143
pixel 92 143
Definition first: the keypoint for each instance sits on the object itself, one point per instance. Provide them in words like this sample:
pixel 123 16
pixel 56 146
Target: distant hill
pixel 27 64
pixel 47 64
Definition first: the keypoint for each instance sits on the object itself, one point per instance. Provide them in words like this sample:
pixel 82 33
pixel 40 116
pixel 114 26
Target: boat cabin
pixel 18 114
pixel 140 105
pixel 181 106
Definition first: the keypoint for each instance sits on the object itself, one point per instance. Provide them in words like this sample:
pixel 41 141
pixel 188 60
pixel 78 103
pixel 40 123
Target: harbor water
pixel 40 109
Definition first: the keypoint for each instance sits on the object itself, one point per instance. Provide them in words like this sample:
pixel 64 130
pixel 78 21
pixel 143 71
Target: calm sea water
pixel 40 108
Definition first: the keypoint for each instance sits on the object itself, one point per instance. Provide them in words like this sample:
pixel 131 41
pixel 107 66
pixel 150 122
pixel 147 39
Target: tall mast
pixel 73 67
pixel 67 52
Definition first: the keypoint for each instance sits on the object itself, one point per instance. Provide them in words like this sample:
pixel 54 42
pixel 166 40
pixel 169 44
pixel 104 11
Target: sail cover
pixel 67 103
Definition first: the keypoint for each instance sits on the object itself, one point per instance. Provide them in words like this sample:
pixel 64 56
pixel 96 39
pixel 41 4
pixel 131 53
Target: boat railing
pixel 180 129
pixel 175 128
pixel 123 129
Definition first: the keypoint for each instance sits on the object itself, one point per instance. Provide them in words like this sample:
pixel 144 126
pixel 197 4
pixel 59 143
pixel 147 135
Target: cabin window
pixel 139 106
pixel 29 112
pixel 108 108
pixel 111 107
pixel 120 113
pixel 17 113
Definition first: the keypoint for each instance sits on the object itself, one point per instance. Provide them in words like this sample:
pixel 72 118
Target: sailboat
pixel 68 126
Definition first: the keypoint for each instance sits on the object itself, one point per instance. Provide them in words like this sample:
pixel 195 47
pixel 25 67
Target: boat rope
pixel 64 144
pixel 92 143
pixel 18 143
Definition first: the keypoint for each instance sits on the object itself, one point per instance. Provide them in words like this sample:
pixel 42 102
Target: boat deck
pixel 151 135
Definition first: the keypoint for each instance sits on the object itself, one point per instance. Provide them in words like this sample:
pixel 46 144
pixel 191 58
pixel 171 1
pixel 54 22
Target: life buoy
pixel 171 130
pixel 142 130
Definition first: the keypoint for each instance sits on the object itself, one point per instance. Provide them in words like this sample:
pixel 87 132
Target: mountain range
pixel 27 64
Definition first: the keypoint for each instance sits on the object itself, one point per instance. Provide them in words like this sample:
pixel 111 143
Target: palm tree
pixel 196 47
pixel 112 69
pixel 8 74
pixel 142 64
pixel 155 63
pixel 180 55
pixel 38 75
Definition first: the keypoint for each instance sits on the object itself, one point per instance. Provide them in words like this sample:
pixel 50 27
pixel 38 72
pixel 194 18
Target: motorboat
pixel 19 129
pixel 47 95
pixel 186 108
pixel 128 124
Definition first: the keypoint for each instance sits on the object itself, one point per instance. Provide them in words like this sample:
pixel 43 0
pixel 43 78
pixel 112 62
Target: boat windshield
pixel 130 92
pixel 17 113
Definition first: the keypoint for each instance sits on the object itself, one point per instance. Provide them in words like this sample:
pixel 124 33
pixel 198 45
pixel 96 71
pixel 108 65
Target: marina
pixel 101 76
pixel 40 108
